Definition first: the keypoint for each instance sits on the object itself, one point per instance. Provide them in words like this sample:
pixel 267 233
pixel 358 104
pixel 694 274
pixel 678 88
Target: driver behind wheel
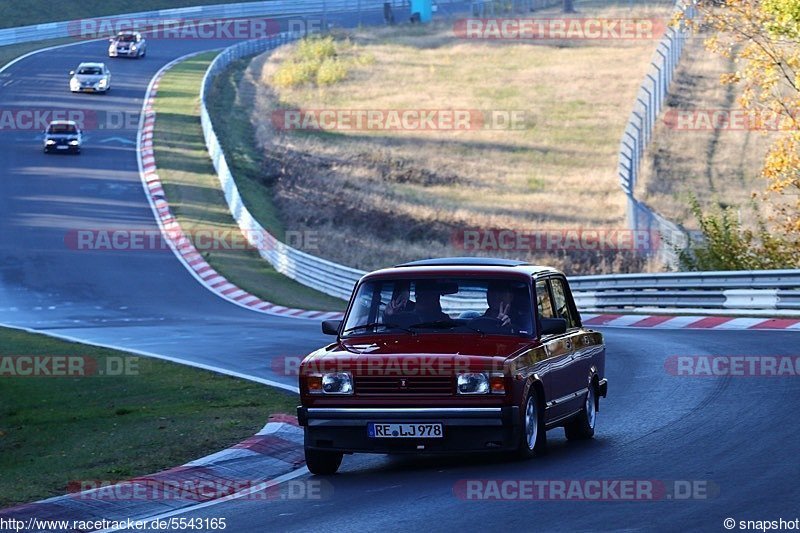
pixel 500 297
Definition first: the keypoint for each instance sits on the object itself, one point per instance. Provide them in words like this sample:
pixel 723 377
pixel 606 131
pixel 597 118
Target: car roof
pixel 90 64
pixel 127 33
pixel 66 122
pixel 472 266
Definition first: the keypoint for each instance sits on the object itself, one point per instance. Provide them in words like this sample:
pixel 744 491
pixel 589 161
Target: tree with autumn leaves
pixel 762 38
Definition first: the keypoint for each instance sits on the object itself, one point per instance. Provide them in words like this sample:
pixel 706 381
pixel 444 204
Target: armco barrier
pixel 271 8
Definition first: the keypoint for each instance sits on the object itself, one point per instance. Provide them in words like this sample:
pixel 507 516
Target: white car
pixel 90 77
pixel 127 44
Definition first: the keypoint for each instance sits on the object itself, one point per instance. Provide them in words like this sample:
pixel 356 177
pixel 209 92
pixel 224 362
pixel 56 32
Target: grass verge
pixel 193 190
pixel 54 430
pixel 383 195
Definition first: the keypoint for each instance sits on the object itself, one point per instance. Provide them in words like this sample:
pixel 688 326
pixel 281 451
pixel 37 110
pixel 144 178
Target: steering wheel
pixel 489 322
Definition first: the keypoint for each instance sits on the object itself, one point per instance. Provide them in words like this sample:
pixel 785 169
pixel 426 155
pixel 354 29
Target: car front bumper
pixel 465 429
pixel 123 53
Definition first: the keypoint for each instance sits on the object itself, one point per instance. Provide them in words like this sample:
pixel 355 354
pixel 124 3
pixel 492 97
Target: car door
pixel 581 359
pixel 559 348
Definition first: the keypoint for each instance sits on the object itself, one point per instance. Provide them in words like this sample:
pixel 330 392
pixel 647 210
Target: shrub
pixel 726 245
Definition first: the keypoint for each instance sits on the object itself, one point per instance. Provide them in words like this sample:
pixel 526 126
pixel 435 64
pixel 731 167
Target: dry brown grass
pixel 380 197
pixel 720 167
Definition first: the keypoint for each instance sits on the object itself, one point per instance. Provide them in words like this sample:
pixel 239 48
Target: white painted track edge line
pixel 143 353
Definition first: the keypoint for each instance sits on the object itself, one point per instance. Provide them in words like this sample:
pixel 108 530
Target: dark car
pixel 452 355
pixel 63 136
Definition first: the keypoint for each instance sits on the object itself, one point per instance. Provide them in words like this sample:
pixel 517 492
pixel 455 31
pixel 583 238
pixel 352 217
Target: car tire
pixel 533 437
pixel 323 463
pixel 582 426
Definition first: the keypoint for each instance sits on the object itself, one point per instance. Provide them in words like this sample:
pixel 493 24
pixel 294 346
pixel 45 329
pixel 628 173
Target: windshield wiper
pixel 444 324
pixel 379 324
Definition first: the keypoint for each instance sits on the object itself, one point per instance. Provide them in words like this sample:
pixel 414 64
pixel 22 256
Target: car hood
pixel 84 78
pixel 443 351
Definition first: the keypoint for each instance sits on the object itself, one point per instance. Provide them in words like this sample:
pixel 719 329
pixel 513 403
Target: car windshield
pixel 126 38
pixel 452 305
pixel 90 71
pixel 62 128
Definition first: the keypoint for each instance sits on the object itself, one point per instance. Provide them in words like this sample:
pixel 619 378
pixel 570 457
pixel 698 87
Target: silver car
pixel 127 44
pixel 90 77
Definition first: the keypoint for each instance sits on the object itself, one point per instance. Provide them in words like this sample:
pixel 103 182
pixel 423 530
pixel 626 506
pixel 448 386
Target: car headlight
pixel 112 48
pixel 331 383
pixel 49 141
pixel 133 48
pixel 481 383
pixel 102 83
pixel 73 142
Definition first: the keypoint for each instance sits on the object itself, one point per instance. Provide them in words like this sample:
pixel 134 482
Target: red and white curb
pixel 173 233
pixel 690 322
pixel 272 456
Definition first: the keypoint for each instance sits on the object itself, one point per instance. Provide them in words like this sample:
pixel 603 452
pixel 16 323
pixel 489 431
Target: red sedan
pixel 452 355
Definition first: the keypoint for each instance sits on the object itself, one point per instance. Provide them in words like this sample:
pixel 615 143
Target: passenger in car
pixel 499 296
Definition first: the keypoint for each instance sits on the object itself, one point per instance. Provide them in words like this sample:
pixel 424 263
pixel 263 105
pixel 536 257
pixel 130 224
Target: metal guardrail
pixel 727 290
pixel 638 132
pixel 271 8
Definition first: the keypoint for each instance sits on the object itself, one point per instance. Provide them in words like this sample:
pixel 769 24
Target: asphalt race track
pixel 735 436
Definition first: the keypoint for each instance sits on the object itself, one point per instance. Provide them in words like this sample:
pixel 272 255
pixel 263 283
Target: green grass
pixel 54 430
pixel 25 12
pixel 193 190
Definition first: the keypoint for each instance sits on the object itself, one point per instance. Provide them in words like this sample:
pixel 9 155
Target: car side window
pixel 543 300
pixel 562 308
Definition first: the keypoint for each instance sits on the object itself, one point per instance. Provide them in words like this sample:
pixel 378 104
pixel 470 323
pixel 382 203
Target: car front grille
pixel 404 386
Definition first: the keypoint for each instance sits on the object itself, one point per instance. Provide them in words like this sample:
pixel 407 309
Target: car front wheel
pixel 533 437
pixel 582 426
pixel 321 462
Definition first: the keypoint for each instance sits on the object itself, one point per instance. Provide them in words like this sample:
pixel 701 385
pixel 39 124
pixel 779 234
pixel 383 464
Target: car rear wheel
pixel 323 463
pixel 533 437
pixel 582 426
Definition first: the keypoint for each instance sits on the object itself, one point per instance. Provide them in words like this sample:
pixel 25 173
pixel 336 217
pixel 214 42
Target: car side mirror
pixel 71 72
pixel 554 326
pixel 331 327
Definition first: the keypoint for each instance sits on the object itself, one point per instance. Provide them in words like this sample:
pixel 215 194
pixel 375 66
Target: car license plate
pixel 379 430
pixel 62 147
